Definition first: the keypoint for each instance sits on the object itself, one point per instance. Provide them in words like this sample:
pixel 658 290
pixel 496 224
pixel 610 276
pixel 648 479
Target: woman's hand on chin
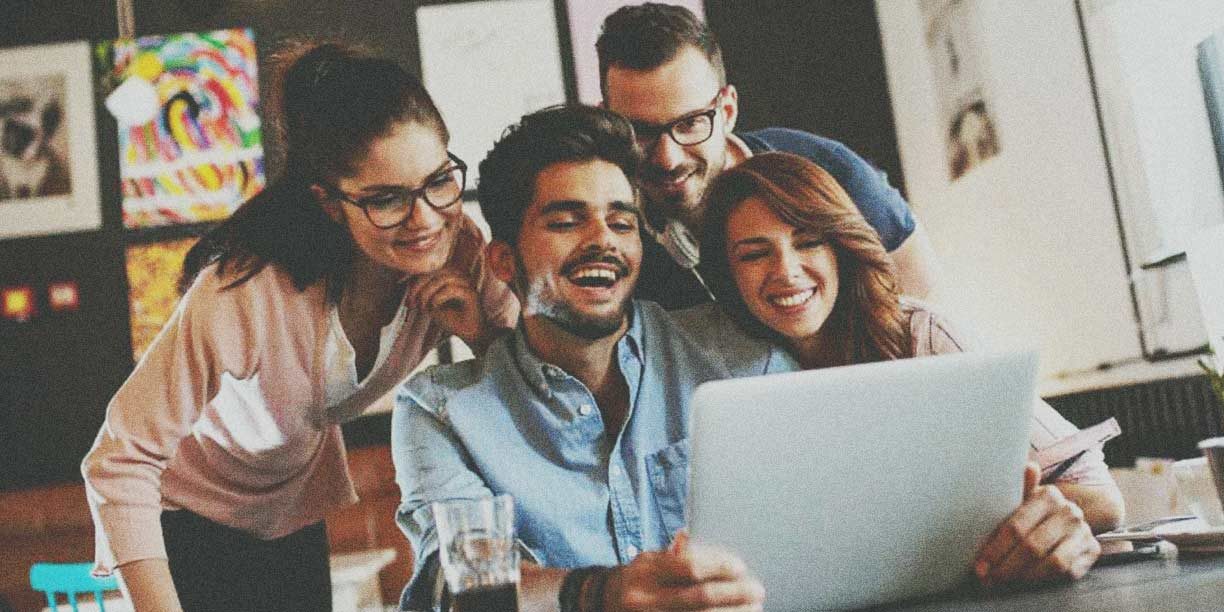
pixel 452 300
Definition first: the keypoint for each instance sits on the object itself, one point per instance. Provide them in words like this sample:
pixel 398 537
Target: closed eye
pixel 382 200
pixel 623 225
pixel 441 179
pixel 690 122
pixel 561 223
pixel 752 255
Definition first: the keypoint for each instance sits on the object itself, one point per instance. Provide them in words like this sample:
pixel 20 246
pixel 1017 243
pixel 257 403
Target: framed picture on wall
pixel 487 64
pixel 153 271
pixel 190 138
pixel 958 64
pixel 48 148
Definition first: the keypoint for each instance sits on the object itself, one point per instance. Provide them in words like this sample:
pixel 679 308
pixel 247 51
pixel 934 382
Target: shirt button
pixel 585 409
pixel 632 551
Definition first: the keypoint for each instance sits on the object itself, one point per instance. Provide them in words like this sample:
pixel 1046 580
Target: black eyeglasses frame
pixel 410 195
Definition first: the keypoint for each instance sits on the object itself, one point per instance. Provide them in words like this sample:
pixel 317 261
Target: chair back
pixel 70 579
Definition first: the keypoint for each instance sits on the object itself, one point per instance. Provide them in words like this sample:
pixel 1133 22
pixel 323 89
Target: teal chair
pixel 70 579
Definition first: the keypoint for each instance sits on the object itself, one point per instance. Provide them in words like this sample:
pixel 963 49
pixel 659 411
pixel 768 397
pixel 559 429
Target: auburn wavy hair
pixel 866 319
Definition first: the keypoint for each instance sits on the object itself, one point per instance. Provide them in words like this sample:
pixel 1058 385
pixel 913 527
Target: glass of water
pixel 479 559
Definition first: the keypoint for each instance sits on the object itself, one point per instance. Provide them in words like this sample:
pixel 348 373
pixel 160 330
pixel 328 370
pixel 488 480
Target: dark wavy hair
pixel 866 319
pixel 646 36
pixel 553 135
pixel 331 102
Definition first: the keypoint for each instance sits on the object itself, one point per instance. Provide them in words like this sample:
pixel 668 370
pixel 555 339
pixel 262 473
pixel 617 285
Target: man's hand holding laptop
pixel 686 576
pixel 1045 538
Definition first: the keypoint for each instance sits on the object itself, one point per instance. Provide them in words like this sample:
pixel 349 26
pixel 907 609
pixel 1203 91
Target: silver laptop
pixel 854 486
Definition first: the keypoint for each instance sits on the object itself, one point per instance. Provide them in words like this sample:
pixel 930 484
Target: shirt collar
pixel 539 373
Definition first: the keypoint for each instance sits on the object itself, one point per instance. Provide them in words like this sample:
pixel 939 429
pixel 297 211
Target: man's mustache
pixel 607 258
pixel 655 173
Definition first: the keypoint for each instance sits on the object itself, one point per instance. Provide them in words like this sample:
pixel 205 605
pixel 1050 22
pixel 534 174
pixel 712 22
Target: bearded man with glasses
pixel 662 68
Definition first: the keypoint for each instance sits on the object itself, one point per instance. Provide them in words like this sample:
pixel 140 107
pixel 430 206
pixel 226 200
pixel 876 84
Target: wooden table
pixel 1189 583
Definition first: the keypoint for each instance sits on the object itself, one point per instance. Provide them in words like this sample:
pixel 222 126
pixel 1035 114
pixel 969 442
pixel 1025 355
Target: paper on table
pixel 1066 448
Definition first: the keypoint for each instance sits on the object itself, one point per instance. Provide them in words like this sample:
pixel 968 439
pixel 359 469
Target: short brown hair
pixel 646 36
pixel 556 134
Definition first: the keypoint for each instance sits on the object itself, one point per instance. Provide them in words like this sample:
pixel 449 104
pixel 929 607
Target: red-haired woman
pixel 791 259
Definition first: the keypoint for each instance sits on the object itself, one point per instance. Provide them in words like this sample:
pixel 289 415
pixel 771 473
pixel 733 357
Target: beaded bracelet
pixel 571 588
pixel 595 589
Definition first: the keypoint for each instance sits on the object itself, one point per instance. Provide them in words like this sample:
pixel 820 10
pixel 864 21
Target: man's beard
pixel 539 300
pixel 675 205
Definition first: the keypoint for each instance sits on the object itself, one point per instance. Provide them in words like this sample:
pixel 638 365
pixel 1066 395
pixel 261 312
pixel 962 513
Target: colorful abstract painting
pixel 153 271
pixel 190 143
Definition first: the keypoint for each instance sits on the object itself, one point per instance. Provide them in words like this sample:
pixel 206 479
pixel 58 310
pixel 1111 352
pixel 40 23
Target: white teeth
pixel 793 300
pixel 595 273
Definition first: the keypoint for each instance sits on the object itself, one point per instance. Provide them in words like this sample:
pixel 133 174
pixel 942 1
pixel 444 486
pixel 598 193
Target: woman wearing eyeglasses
pixel 222 452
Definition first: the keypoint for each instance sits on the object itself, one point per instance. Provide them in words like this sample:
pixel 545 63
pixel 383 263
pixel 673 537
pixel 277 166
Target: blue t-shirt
pixel 880 203
pixel 663 281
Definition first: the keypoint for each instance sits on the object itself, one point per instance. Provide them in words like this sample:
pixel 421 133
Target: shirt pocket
pixel 668 471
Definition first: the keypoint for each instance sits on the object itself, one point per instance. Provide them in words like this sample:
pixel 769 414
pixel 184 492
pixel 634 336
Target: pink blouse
pixel 228 412
pixel 931 334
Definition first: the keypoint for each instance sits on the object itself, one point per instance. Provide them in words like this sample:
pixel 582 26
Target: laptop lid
pixel 853 486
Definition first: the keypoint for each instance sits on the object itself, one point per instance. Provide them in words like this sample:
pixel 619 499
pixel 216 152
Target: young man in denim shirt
pixel 582 413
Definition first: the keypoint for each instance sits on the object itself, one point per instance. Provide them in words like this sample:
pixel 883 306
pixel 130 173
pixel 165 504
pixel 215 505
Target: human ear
pixel 730 107
pixel 328 204
pixel 501 261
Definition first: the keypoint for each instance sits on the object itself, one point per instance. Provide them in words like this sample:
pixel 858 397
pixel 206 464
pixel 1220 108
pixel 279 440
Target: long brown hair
pixel 866 322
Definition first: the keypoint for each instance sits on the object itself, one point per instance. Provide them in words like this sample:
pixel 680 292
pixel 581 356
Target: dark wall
pixel 57 371
pixel 814 65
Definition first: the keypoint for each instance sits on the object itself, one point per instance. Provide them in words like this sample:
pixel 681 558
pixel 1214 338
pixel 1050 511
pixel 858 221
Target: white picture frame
pixel 34 199
pixel 487 64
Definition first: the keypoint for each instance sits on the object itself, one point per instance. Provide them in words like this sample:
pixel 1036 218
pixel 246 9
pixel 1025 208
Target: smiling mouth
pixel 670 180
pixel 591 277
pixel 420 243
pixel 675 184
pixel 791 300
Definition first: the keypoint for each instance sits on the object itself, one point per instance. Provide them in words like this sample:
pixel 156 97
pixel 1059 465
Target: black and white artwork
pixel 48 152
pixel 33 146
pixel 954 41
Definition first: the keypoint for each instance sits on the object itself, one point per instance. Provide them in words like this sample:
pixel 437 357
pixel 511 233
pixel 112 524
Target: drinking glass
pixel 479 559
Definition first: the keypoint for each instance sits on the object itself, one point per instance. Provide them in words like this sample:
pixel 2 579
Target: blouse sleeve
pixel 933 335
pixel 209 334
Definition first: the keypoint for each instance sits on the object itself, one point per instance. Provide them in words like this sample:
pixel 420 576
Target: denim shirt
pixel 511 423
